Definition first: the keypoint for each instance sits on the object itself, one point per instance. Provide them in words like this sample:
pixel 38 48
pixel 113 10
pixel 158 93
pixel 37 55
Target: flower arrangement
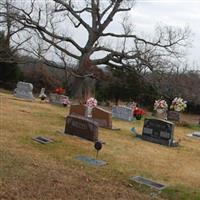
pixel 91 102
pixel 160 105
pixel 60 90
pixel 138 113
pixel 178 104
pixel 66 101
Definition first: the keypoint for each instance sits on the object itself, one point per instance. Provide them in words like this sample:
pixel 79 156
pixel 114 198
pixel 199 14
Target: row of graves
pixel 84 121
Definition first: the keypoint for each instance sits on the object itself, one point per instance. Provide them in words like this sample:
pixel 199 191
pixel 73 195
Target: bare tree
pixel 53 20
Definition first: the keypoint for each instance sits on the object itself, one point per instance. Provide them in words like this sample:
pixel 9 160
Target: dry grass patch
pixel 33 171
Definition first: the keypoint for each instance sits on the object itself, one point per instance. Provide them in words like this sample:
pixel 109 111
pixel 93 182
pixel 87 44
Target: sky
pixel 147 13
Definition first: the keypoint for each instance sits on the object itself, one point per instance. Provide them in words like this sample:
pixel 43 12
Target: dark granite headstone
pixel 102 117
pixel 158 131
pixel 173 116
pixel 81 127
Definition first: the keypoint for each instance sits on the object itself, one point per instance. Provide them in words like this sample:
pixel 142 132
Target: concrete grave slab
pixel 91 161
pixel 148 182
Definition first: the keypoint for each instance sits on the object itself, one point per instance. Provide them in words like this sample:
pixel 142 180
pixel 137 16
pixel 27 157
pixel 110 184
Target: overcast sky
pixel 147 13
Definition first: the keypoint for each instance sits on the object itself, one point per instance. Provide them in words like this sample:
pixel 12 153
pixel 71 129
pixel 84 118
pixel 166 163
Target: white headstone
pixel 42 94
pixel 122 112
pixel 24 90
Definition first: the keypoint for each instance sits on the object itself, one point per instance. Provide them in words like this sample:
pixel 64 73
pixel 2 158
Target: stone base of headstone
pixel 91 161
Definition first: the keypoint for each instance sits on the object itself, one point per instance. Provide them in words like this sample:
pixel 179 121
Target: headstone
pixel 173 116
pixel 81 127
pixel 159 131
pixel 78 110
pixel 102 117
pixel 42 94
pixel 122 112
pixel 24 90
pixel 57 98
pixel 195 135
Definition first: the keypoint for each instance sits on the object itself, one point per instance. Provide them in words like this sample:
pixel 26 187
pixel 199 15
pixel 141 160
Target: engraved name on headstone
pixel 122 112
pixel 24 90
pixel 81 127
pixel 158 131
pixel 102 117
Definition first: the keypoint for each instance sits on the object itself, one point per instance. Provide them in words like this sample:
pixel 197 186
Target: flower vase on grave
pixel 160 111
pixel 89 111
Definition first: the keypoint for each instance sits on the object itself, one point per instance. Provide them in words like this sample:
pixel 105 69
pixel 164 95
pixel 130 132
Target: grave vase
pixel 89 111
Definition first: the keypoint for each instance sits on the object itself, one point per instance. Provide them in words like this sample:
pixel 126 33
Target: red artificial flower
pixel 60 90
pixel 138 111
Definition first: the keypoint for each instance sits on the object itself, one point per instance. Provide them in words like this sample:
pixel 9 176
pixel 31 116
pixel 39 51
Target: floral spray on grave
pixel 90 103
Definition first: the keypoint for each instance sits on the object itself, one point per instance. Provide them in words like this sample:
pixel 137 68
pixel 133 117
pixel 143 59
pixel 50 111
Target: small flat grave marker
pixel 42 140
pixel 148 182
pixel 195 135
pixel 91 161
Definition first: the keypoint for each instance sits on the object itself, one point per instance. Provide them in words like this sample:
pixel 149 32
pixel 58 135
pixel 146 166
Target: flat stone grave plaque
pixel 148 182
pixel 78 110
pixel 81 127
pixel 42 139
pixel 173 116
pixel 159 131
pixel 24 90
pixel 91 161
pixel 195 135
pixel 122 112
pixel 57 98
pixel 102 117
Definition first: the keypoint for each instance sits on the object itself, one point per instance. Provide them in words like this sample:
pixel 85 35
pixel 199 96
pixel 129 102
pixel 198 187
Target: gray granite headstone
pixel 24 90
pixel 159 131
pixel 91 161
pixel 42 93
pixel 56 98
pixel 122 112
pixel 173 116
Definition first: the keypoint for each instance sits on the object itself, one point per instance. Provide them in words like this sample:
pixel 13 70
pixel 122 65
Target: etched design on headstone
pixel 159 131
pixel 81 127
pixel 122 112
pixel 24 90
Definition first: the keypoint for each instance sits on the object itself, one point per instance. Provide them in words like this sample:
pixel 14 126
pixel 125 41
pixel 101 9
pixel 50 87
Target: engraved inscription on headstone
pixel 78 110
pixel 122 112
pixel 81 127
pixel 102 117
pixel 173 116
pixel 24 90
pixel 158 131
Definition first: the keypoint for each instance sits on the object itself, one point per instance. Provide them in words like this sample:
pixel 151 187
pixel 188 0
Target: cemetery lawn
pixel 30 171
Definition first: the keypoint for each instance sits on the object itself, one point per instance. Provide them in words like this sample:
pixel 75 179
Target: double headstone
pixel 81 127
pixel 24 90
pixel 122 112
pixel 159 131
